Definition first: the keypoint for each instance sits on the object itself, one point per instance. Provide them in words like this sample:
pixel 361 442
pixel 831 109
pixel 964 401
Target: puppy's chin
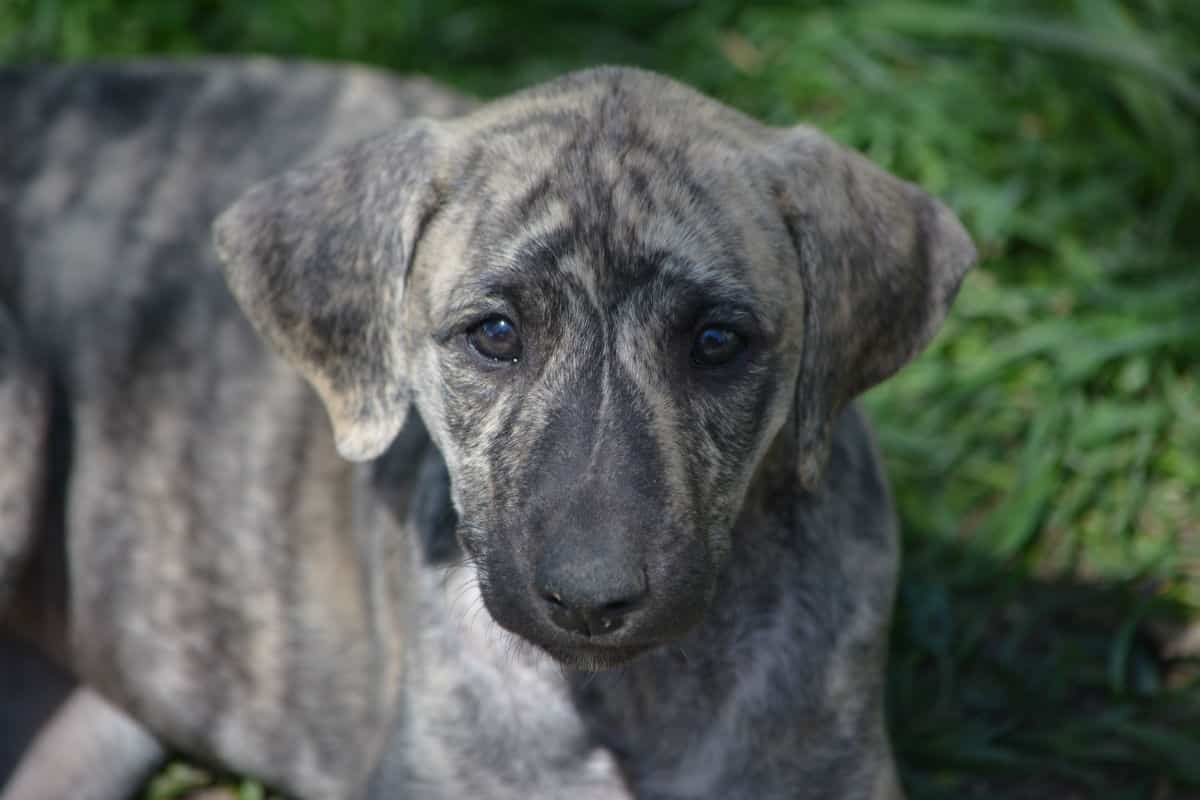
pixel 591 658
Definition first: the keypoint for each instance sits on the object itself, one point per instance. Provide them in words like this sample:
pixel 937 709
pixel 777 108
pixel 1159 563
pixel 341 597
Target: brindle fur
pixel 222 583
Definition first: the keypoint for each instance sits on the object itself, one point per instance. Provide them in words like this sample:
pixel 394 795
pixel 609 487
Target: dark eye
pixel 715 346
pixel 496 338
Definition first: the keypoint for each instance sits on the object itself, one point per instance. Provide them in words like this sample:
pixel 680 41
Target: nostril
pixel 619 608
pixel 564 615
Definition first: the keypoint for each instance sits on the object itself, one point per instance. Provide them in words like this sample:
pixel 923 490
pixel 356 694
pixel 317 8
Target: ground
pixel 1046 450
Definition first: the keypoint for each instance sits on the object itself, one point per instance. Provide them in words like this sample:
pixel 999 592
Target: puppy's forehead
pixel 615 177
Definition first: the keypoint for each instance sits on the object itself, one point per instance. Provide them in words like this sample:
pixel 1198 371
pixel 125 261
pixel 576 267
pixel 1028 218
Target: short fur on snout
pixel 610 218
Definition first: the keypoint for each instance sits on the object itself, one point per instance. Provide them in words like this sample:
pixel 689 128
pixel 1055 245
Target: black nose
pixel 592 610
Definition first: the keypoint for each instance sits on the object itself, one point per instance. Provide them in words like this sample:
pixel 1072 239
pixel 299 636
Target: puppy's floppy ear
pixel 317 258
pixel 881 262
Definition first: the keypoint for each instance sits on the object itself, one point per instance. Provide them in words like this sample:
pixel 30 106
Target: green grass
pixel 1046 449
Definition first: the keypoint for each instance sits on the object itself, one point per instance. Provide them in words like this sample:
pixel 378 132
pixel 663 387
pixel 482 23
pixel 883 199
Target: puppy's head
pixel 606 296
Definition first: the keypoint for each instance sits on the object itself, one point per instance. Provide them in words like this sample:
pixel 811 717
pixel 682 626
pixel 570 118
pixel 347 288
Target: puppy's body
pixel 229 582
pixel 221 582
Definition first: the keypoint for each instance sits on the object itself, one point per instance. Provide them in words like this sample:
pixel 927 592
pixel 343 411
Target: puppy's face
pixel 605 296
pixel 602 364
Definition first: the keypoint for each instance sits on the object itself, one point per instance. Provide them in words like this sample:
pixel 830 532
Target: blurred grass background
pixel 1046 450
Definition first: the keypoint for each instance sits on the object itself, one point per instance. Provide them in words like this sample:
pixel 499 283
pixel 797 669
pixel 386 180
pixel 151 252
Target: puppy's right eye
pixel 496 338
pixel 716 346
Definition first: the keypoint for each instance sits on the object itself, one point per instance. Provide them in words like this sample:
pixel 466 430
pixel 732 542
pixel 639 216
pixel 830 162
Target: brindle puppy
pixel 631 320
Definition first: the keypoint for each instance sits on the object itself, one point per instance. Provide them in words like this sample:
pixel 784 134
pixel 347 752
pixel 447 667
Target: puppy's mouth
pixel 594 657
pixel 572 650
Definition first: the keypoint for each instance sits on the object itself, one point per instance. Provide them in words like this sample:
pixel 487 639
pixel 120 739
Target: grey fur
pixel 723 539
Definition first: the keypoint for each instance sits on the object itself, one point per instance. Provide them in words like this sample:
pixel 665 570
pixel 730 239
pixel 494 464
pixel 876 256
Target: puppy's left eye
pixel 716 346
pixel 496 338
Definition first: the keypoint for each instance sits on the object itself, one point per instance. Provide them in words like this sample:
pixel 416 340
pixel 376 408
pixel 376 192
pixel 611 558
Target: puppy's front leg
pixel 89 750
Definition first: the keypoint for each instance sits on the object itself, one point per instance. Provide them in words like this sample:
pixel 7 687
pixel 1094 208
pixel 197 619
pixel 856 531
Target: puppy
pixel 630 323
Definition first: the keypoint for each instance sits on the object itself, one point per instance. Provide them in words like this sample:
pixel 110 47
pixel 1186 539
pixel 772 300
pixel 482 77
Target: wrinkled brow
pixel 531 275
